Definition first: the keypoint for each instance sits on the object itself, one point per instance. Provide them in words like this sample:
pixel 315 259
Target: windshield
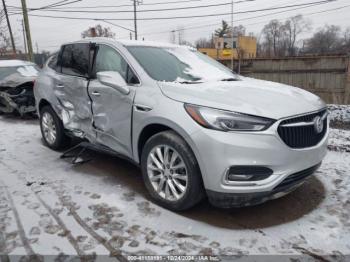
pixel 25 71
pixel 179 64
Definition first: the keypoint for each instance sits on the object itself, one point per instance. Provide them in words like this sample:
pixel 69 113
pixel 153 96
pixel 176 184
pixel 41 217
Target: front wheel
pixel 52 129
pixel 171 172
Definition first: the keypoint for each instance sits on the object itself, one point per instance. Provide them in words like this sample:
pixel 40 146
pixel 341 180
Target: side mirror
pixel 114 80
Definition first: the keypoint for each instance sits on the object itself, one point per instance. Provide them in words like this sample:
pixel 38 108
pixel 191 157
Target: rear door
pixel 112 110
pixel 71 88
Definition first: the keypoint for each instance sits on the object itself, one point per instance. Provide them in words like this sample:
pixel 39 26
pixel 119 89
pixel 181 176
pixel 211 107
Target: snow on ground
pixel 340 115
pixel 48 206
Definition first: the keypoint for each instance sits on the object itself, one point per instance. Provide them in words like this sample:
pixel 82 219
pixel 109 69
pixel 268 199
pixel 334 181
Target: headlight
pixel 226 120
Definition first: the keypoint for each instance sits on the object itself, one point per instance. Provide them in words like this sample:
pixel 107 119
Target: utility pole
pixel 24 38
pixel 173 37
pixel 10 30
pixel 232 35
pixel 27 29
pixel 135 20
pixel 136 2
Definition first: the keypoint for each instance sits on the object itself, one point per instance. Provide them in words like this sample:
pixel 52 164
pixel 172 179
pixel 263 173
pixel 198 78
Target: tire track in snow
pixel 3 254
pixel 113 252
pixel 28 248
pixel 69 236
pixel 59 221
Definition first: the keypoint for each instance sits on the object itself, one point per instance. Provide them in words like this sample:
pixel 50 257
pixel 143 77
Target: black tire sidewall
pixel 61 137
pixel 194 191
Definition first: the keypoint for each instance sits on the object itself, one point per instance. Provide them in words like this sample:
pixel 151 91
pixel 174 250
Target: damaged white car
pixel 16 86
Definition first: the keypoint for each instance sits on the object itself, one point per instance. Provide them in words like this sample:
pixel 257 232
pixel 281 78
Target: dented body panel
pixel 111 107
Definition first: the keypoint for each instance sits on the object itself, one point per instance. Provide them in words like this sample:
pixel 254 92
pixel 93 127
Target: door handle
pixel 60 86
pixel 95 93
pixel 142 108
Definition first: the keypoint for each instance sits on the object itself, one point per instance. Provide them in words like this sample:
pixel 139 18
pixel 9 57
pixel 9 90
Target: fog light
pixel 248 173
pixel 234 177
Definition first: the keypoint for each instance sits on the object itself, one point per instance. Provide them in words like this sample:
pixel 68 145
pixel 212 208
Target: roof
pixel 147 43
pixel 14 62
pixel 127 42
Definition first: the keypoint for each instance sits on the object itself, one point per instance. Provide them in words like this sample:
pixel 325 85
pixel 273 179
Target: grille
pixel 296 178
pixel 302 136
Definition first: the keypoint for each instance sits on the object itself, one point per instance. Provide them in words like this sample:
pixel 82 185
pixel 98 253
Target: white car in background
pixel 16 86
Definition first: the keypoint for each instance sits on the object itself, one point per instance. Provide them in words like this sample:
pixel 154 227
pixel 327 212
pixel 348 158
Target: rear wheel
pixel 52 129
pixel 171 172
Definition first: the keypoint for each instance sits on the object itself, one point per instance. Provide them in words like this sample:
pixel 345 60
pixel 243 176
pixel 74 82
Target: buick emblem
pixel 318 124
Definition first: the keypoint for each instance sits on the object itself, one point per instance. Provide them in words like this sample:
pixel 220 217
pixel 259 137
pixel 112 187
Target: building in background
pixel 240 47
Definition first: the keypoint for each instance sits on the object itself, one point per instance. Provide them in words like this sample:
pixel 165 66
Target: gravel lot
pixel 50 207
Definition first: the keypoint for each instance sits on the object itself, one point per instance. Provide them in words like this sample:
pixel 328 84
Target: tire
pixel 61 140
pixel 194 191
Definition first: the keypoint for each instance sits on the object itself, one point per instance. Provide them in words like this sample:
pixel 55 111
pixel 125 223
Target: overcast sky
pixel 49 33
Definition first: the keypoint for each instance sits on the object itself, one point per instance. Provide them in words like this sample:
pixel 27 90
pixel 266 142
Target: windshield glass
pixel 25 71
pixel 179 64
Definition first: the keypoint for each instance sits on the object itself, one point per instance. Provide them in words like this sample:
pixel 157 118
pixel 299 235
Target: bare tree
pixel 204 43
pixel 325 40
pixel 239 30
pixel 293 28
pixel 98 31
pixel 181 35
pixel 5 42
pixel 172 37
pixel 273 38
pixel 346 40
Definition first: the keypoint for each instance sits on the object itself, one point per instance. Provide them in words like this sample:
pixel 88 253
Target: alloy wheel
pixel 167 172
pixel 49 128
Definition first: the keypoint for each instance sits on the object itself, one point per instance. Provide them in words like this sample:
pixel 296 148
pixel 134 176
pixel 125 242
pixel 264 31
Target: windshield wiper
pixel 229 79
pixel 190 82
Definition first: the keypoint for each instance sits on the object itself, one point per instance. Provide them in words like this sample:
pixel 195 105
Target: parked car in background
pixel 16 86
pixel 195 128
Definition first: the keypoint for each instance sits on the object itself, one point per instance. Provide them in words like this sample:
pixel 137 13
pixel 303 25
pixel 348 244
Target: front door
pixel 112 110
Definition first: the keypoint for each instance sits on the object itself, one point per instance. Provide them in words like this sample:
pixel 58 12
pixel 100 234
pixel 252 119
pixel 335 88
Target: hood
pixel 16 80
pixel 247 95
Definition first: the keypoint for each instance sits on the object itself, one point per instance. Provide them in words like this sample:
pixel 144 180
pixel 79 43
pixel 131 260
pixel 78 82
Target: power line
pixel 138 11
pixel 131 11
pixel 184 17
pixel 116 6
pixel 108 22
pixel 306 14
pixel 243 19
pixel 59 3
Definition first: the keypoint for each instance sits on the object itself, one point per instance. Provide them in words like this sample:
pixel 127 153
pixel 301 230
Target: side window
pixel 75 60
pixel 131 77
pixel 108 59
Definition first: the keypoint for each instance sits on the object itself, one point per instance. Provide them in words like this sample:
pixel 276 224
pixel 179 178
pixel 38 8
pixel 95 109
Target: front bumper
pixel 227 200
pixel 8 104
pixel 216 151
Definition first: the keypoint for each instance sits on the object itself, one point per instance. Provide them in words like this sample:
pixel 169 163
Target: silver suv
pixel 195 128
